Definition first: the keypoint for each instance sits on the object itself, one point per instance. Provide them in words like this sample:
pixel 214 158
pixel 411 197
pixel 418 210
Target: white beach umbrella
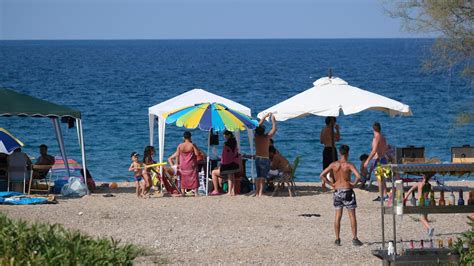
pixel 329 97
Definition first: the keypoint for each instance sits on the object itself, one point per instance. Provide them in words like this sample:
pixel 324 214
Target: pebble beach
pixel 238 230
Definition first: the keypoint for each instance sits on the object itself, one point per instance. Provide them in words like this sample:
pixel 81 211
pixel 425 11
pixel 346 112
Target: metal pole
pixel 207 162
pixel 393 218
pixel 382 210
pixel 83 152
pixel 59 137
pixel 151 127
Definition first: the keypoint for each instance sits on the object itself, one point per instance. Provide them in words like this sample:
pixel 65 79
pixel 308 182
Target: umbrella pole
pixel 207 162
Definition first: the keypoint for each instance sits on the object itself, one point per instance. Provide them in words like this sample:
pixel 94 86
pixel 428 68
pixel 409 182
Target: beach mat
pixel 24 201
pixel 17 198
pixel 7 194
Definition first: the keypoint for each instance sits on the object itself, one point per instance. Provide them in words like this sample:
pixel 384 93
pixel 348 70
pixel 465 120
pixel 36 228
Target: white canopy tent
pixel 330 96
pixel 189 98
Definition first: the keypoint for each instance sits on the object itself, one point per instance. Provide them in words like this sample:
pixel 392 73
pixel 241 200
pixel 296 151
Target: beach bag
pixel 59 184
pixel 245 185
pixel 74 188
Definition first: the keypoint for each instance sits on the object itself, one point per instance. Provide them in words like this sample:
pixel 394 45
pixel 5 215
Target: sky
pixel 196 19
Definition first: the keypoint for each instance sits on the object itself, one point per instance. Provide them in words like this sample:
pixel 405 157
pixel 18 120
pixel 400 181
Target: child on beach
pixel 136 167
pixel 423 187
pixel 344 196
pixel 364 174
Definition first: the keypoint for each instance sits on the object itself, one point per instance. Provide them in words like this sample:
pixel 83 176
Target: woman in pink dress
pixel 187 153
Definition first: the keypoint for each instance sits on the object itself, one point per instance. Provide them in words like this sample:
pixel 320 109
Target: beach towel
pixel 8 194
pixel 24 201
pixel 188 170
pixel 14 198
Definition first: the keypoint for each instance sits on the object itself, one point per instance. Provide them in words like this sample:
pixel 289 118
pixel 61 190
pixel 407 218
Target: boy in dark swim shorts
pixel 137 167
pixel 344 196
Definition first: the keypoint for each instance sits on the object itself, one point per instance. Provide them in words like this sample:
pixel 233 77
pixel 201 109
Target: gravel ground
pixel 236 230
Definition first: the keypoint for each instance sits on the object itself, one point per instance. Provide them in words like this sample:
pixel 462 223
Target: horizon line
pixel 223 39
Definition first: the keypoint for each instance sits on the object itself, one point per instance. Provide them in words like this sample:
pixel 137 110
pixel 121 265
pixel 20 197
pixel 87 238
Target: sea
pixel 113 83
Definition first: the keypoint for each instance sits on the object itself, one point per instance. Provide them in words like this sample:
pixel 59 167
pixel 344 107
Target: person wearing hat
pixel 136 167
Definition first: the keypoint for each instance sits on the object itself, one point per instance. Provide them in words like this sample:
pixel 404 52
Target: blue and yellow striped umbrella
pixel 207 116
pixel 8 143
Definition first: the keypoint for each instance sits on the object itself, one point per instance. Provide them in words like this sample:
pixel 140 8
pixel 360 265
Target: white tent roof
pixel 193 97
pixel 329 96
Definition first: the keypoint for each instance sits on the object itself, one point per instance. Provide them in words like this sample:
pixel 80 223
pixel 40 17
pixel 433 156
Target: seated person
pixel 43 159
pixel 90 181
pixel 216 181
pixel 19 158
pixel 279 165
pixel 19 165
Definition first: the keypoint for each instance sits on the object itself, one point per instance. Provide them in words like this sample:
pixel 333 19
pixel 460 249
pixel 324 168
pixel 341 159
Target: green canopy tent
pixel 13 103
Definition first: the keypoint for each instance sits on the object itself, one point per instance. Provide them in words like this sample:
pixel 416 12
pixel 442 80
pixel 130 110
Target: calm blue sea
pixel 114 82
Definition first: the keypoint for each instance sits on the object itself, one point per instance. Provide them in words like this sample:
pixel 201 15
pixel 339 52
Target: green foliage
pixel 467 240
pixel 452 20
pixel 43 244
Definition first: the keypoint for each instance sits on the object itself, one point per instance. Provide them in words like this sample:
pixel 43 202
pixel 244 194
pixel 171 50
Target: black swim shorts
pixel 344 198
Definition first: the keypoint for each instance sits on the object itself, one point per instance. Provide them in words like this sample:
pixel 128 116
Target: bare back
pixel 186 147
pixel 342 174
pixel 325 136
pixel 380 145
pixel 261 145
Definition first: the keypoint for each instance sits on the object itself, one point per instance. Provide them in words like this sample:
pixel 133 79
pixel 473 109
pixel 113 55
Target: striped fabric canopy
pixel 209 116
pixel 60 166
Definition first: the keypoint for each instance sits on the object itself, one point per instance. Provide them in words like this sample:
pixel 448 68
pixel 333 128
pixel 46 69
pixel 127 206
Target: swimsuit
pixel 327 156
pixel 138 178
pixel 344 197
pixel 263 166
pixel 382 161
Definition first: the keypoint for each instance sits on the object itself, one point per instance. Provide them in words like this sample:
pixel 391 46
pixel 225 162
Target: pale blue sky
pixel 198 19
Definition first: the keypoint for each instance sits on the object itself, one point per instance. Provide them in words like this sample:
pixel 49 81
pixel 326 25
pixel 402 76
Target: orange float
pixel 113 185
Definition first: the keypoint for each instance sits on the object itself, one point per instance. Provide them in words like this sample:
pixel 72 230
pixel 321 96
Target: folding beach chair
pixel 168 178
pixel 289 180
pixel 40 173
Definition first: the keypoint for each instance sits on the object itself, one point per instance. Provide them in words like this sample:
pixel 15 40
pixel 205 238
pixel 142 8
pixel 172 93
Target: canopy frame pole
pixel 83 154
pixel 151 125
pixel 161 146
pixel 251 144
pixel 59 138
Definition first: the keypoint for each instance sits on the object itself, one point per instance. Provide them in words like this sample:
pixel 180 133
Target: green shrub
pixel 44 244
pixel 467 240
